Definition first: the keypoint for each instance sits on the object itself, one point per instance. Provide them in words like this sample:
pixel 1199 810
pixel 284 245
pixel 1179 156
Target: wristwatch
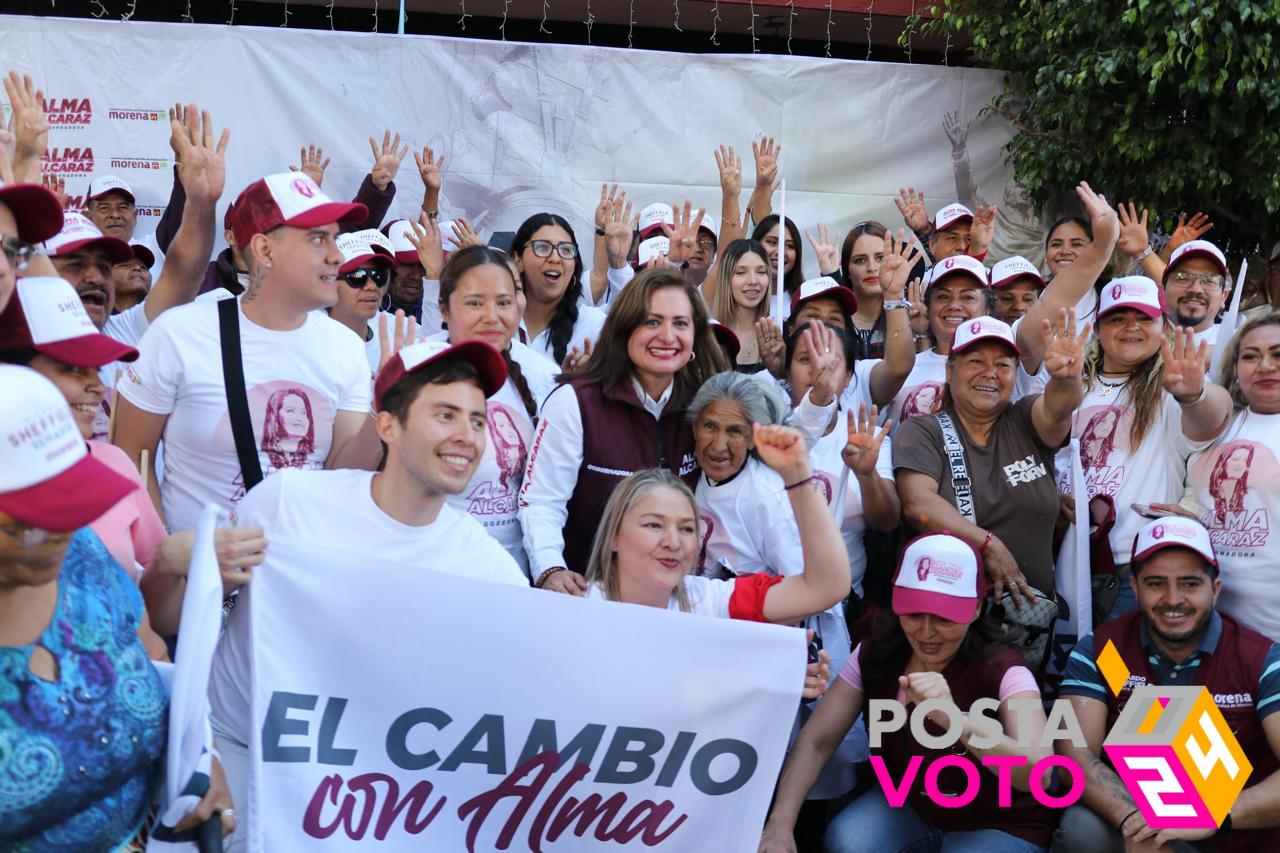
pixel 890 304
pixel 599 231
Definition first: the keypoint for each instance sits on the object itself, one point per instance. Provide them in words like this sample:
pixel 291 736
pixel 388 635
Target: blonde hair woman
pixel 742 297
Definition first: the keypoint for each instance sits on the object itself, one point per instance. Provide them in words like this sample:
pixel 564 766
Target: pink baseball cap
pixel 824 287
pixel 653 217
pixel 1132 291
pixel 942 575
pixel 104 184
pixel 37 211
pixel 727 338
pixel 1196 249
pixel 1174 531
pixel 48 480
pixel 487 361
pixel 980 329
pixel 79 233
pixel 144 254
pixel 287 198
pixel 401 248
pixel 46 314
pixel 360 247
pixel 950 215
pixel 1006 272
pixel 958 265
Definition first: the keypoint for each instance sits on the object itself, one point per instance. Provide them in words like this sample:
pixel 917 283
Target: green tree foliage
pixel 1173 103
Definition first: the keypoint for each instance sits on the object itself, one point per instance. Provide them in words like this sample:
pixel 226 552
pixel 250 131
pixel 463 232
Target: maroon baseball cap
pixel 37 211
pixel 288 198
pixel 487 361
pixel 79 233
pixel 727 338
pixel 46 314
pixel 142 253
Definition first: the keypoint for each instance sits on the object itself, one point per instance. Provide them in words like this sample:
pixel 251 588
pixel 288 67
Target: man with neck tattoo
pixel 306 379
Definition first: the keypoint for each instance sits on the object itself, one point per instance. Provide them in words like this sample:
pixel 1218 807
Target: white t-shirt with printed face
pixel 1237 481
pixel 335 510
pixel 843 492
pixel 1152 472
pixel 127 327
pixel 296 383
pixel 922 390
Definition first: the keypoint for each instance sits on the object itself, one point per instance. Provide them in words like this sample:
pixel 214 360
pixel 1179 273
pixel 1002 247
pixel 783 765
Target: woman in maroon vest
pixel 623 412
pixel 927 649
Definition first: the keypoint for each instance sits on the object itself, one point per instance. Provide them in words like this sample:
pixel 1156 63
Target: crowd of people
pixel 664 429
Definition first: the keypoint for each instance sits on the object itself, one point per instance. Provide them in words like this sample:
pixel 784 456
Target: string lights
pixel 830 21
pixel 232 19
pixel 715 24
pixel 542 26
pixel 791 15
pixel 590 21
pixel 676 21
pixel 375 16
pixel 752 28
pixel 631 23
pixel 870 8
pixel 133 7
pixel 287 13
pixel 330 7
pixel 98 5
pixel 188 17
pixel 911 30
pixel 502 28
pixel 462 22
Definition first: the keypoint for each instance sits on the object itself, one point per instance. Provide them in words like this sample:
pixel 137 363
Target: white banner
pixel 403 709
pixel 1072 576
pixel 524 128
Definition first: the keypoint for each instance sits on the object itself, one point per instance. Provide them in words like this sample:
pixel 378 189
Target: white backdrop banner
pixel 404 709
pixel 524 128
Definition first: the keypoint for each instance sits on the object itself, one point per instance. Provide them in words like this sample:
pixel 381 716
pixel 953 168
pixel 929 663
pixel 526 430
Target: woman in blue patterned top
pixel 82 711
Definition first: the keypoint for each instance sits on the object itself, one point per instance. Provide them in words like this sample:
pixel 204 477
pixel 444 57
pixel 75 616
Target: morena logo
pixel 122 114
pixel 948 263
pixel 304 188
pixel 1157 532
pixel 1116 291
pixel 67 161
pixel 68 112
pixel 922 568
pixel 139 163
pixel 975 326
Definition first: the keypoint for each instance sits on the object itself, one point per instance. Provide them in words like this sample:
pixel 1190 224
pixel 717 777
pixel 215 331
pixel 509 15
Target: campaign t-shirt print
pixel 288 417
pixel 493 491
pixel 923 399
pixel 1104 446
pixel 1236 516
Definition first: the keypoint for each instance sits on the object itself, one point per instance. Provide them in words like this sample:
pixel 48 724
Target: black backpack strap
pixel 237 398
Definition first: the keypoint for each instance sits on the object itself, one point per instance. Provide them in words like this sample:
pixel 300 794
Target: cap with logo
pixel 980 329
pixel 48 480
pixel 35 209
pixel 824 287
pixel 79 233
pixel 361 247
pixel 487 361
pixel 104 184
pixel 447 242
pixel 1196 249
pixel 1173 531
pixel 401 248
pixel 950 215
pixel 709 223
pixel 142 253
pixel 653 217
pixel 942 575
pixel 1006 272
pixel 727 338
pixel 649 250
pixel 961 265
pixel 46 314
pixel 287 198
pixel 1132 291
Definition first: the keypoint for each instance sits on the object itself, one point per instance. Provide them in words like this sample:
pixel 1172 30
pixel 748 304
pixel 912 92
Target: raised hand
pixel 464 235
pixel 577 358
pixel 729 165
pixel 1189 230
pixel 918 313
pixel 424 236
pixel 1184 363
pixel 771 346
pixel 1134 238
pixel 28 123
pixel 57 185
pixel 684 235
pixel 607 195
pixel 386 161
pixel 862 450
pixel 202 166
pixel 900 257
pixel 177 112
pixel 983 230
pixel 391 341
pixel 783 449
pixel 312 163
pixel 1063 347
pixel 825 249
pixel 766 153
pixel 1106 225
pixel 429 168
pixel 911 205
pixel 826 358
pixel 956 131
pixel 618 231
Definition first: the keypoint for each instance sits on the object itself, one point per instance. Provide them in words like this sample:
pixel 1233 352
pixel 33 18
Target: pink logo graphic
pixel 975 327
pixel 304 188
pixel 922 568
pixel 1116 291
pixel 948 263
pixel 1157 532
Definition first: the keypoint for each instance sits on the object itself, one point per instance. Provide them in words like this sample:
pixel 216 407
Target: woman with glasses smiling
pixel 546 253
pixel 367 264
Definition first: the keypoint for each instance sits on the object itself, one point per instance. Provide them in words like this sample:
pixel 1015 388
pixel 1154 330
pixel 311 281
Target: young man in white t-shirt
pixel 305 376
pixel 431 400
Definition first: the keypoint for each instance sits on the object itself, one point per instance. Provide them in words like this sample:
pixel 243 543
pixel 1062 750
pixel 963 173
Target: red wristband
pixel 985 543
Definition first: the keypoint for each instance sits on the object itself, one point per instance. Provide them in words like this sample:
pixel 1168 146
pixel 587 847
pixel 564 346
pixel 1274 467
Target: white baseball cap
pixel 824 287
pixel 1174 531
pixel 980 329
pixel 48 480
pixel 958 265
pixel 360 247
pixel 287 198
pixel 401 248
pixel 104 184
pixel 487 361
pixel 950 215
pixel 709 223
pixel 78 233
pixel 1009 270
pixel 942 575
pixel 653 217
pixel 446 236
pixel 649 250
pixel 1196 249
pixel 1132 291
pixel 46 314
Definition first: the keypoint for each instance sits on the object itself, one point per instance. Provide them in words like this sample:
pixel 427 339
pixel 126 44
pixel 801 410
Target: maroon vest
pixel 619 437
pixel 1234 669
pixel 969 681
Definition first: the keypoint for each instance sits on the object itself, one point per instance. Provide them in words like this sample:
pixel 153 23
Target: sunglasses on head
pixel 359 278
pixel 17 252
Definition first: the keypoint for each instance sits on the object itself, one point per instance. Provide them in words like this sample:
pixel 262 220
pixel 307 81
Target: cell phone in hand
pixel 815 646
pixel 1147 511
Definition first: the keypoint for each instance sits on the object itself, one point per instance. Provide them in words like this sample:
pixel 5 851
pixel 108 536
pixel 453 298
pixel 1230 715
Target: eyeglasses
pixel 1210 281
pixel 17 252
pixel 357 279
pixel 544 248
pixel 26 537
pixel 706 243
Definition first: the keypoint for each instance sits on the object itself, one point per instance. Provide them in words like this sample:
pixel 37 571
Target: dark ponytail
pixel 516 375
pixel 565 317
